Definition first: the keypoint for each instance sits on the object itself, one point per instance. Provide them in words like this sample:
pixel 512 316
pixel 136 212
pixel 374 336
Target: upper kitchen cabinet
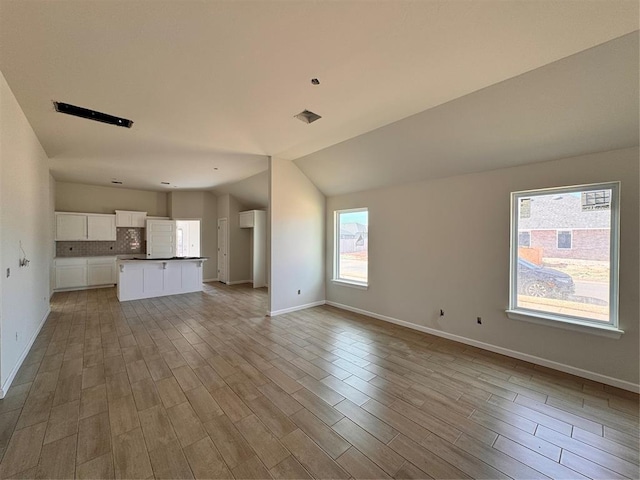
pixel 85 226
pixel 71 226
pixel 130 219
pixel 247 219
pixel 101 227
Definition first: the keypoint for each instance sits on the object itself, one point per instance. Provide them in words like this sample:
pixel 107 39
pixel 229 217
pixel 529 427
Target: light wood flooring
pixel 203 385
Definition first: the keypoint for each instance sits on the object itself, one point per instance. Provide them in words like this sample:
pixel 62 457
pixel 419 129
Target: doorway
pixel 187 238
pixel 223 251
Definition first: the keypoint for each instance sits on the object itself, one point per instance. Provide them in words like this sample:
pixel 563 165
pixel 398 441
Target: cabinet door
pixel 101 227
pixel 71 276
pixel 138 219
pixel 246 219
pixel 123 219
pixel 161 238
pixel 101 274
pixel 71 227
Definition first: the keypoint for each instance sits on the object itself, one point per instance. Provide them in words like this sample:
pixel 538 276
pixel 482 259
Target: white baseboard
pixel 238 282
pixel 597 377
pixel 273 313
pixel 205 280
pixel 5 387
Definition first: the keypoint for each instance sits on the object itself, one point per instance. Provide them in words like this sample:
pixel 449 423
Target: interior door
pixel 223 251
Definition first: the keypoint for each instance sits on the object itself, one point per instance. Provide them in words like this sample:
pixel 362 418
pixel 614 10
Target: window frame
pixel 570 322
pixel 336 250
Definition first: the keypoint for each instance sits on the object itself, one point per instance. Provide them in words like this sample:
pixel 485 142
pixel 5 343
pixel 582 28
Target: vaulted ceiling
pixel 213 86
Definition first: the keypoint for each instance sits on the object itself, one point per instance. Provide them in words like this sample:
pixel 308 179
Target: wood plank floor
pixel 204 386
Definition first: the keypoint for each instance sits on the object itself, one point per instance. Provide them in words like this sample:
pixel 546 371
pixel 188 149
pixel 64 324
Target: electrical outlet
pixel 479 320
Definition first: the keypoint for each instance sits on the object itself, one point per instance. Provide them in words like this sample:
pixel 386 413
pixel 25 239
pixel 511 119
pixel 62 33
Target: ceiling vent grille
pixel 307 117
pixel 91 114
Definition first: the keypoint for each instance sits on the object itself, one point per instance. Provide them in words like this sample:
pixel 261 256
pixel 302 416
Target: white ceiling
pixel 215 84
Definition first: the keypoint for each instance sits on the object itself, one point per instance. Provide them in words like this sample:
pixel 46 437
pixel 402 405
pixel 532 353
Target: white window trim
pixel 336 252
pixel 558 247
pixel 610 329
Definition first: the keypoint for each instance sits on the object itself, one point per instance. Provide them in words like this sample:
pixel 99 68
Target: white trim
pixel 565 323
pixel 205 280
pixel 238 282
pixel 614 244
pixel 623 384
pixel 296 308
pixel 347 283
pixel 5 387
pixel 91 287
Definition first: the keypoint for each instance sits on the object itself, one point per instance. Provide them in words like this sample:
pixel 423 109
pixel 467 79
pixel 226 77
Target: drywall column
pixel 296 249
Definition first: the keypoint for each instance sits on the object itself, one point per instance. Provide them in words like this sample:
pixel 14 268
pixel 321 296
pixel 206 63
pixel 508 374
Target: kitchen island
pixel 148 278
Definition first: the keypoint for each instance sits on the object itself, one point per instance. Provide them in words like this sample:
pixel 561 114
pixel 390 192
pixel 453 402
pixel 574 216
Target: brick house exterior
pixel 559 228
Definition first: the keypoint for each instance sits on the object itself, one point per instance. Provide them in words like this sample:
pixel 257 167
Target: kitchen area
pixel 144 256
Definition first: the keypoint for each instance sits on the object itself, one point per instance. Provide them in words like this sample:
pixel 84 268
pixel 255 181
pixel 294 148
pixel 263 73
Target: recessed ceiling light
pixel 91 114
pixel 307 116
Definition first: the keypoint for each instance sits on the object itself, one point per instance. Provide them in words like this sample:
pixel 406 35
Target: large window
pixel 564 255
pixel 352 246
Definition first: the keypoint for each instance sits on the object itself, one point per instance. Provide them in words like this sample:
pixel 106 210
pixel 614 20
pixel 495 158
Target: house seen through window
pixel 564 254
pixel 352 246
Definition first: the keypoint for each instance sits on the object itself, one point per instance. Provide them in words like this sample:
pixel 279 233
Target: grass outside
pixel 580 270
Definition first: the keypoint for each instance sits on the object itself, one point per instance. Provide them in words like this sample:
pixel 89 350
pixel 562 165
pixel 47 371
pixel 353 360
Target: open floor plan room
pixel 203 385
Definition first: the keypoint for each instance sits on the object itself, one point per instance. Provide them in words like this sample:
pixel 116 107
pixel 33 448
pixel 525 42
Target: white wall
pixel 445 244
pixel 77 197
pixel 296 247
pixel 199 205
pixel 26 214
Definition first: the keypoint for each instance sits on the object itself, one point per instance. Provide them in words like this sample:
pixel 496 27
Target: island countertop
pixel 163 260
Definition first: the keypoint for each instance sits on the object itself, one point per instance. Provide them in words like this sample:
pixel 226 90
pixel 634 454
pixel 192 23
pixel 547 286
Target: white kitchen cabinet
pixel 247 219
pixel 126 218
pixel 161 238
pixel 85 226
pixel 101 271
pixel 71 273
pixel 155 278
pixel 71 226
pixel 101 227
pixel 79 273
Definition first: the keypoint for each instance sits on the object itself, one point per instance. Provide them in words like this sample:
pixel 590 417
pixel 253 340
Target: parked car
pixel 537 281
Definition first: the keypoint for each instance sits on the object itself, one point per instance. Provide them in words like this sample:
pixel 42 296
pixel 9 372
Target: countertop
pixel 163 260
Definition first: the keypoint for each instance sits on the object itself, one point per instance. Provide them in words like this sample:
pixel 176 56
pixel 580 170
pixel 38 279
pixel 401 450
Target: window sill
pixel 564 323
pixel 347 283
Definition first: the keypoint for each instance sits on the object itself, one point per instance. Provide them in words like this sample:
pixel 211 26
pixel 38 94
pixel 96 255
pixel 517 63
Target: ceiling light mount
pixel 82 112
pixel 315 81
pixel 307 116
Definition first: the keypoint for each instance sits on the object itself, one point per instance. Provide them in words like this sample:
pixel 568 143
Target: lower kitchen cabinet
pixel 84 272
pixel 71 272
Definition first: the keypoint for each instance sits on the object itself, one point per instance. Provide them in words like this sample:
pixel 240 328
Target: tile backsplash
pixel 128 241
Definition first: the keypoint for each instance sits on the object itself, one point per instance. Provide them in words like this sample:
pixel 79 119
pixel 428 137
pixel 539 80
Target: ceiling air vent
pixel 91 114
pixel 307 117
